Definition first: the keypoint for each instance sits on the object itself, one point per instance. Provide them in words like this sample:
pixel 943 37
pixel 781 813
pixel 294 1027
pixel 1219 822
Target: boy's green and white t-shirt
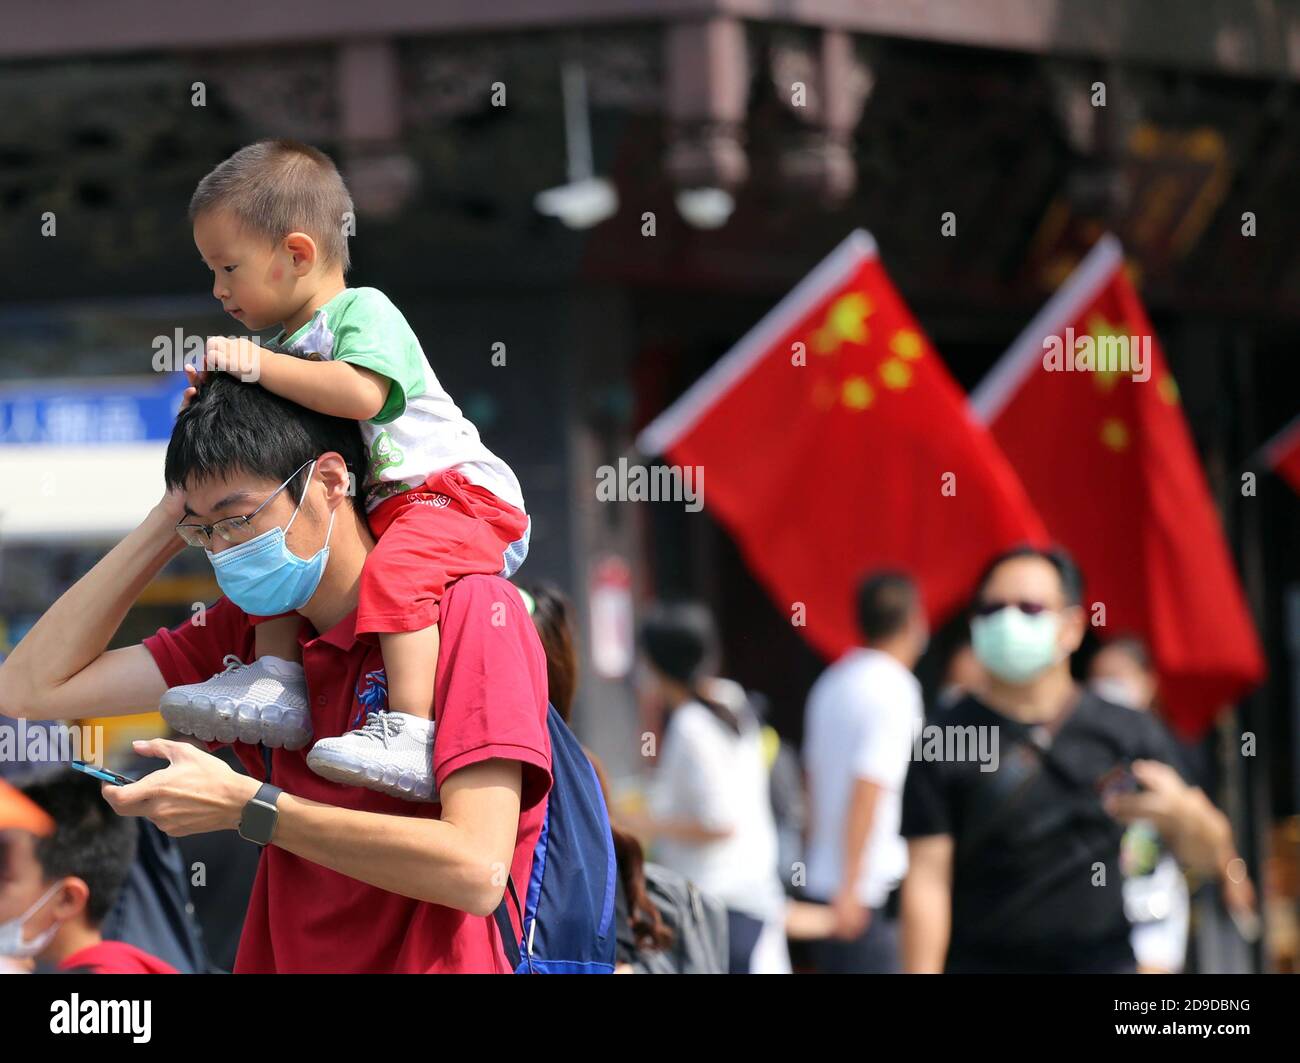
pixel 420 430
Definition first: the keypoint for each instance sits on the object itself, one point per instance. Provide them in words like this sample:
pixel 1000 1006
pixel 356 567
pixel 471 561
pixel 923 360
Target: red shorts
pixel 425 539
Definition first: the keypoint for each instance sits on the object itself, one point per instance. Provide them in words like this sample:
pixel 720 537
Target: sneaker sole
pixel 352 771
pixel 224 719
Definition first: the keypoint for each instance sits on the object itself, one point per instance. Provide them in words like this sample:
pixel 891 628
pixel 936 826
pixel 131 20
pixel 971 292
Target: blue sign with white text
pixel 71 414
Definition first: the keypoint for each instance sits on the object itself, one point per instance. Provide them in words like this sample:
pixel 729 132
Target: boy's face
pixel 22 885
pixel 253 278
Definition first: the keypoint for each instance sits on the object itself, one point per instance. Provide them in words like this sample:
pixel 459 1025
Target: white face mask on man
pixel 1015 646
pixel 11 933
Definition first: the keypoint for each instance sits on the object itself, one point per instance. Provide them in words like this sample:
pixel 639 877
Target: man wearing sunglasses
pixel 1017 869
pixel 350 879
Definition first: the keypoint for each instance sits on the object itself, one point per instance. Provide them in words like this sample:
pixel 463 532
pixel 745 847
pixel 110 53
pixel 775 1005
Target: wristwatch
pixel 257 824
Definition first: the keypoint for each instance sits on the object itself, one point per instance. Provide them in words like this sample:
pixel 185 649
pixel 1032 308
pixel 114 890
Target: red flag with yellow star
pixel 1086 410
pixel 832 440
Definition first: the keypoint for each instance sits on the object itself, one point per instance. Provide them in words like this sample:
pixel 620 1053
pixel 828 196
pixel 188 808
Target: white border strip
pixel 995 390
pixel 674 422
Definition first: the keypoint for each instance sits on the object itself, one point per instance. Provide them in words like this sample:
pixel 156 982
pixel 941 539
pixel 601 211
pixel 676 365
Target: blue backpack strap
pixel 502 916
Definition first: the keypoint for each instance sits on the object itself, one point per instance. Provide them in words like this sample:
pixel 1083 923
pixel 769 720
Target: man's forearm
pixel 76 629
pixel 1202 841
pixel 462 859
pixel 678 828
pixel 427 859
pixel 926 923
pixel 857 829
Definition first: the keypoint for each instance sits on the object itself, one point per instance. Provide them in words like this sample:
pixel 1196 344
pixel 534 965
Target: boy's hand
pixel 240 357
pixel 195 378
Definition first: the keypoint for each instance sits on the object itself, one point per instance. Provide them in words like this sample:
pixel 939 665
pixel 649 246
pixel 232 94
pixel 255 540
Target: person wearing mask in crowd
pixel 710 811
pixel 664 924
pixel 17 814
pixel 56 890
pixel 1015 857
pixel 863 713
pixel 1155 892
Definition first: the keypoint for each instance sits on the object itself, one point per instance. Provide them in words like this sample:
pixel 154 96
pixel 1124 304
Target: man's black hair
pixel 90 841
pixel 1066 570
pixel 885 601
pixel 232 427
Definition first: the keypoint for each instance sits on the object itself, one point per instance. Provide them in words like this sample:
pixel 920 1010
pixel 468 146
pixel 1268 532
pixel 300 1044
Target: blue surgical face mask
pixel 263 577
pixel 1013 646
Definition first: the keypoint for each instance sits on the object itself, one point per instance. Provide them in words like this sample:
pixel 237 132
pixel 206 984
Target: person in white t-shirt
pixel 863 713
pixel 710 812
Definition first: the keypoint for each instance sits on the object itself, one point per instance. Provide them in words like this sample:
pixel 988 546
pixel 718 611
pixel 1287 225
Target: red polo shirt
pixel 490 702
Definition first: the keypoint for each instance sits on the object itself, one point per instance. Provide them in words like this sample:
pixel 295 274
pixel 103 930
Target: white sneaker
pixel 392 752
pixel 265 702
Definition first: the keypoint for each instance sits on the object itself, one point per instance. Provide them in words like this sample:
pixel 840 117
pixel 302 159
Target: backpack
pixel 567 913
pixel 698 923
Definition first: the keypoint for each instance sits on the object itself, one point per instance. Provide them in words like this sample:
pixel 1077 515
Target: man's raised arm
pixel 60 669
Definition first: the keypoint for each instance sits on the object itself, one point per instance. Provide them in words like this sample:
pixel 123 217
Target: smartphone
pixel 103 774
pixel 1119 780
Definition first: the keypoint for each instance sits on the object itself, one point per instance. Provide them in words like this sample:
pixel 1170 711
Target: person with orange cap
pixel 64 857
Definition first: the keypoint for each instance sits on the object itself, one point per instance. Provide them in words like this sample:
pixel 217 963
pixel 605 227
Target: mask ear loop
pixel 310 473
pixel 40 903
pixel 330 529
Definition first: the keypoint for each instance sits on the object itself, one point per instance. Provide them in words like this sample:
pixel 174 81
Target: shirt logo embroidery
pixel 371 696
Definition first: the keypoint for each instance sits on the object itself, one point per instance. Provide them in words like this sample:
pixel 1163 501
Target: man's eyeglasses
pixel 1028 608
pixel 230 529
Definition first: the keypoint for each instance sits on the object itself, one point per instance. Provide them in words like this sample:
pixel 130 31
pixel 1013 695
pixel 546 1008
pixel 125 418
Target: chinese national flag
pixel 833 441
pixel 1283 454
pixel 1110 465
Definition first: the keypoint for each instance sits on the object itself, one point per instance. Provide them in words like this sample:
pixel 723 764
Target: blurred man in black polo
pixel 1015 865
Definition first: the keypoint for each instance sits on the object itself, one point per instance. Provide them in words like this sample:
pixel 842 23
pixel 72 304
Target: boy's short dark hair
pixel 1056 556
pixel 885 604
pixel 231 427
pixel 276 187
pixel 90 841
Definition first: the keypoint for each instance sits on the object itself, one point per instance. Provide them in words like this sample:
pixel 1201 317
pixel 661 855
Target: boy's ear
pixel 72 899
pixel 302 252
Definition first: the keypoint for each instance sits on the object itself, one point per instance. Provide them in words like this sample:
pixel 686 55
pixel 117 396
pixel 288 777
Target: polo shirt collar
pixel 342 635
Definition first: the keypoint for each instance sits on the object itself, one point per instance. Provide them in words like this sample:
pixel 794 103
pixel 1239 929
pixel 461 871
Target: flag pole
pixel 1253 711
